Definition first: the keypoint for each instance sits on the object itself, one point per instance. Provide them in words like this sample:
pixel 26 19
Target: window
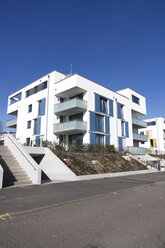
pixel 77 117
pixel 151 123
pixel 36 89
pixel 142 133
pixel 27 93
pixel 37 126
pixel 99 123
pixel 80 96
pixel 103 105
pixel 41 108
pixel 28 141
pixel 122 128
pixel 100 139
pixel 45 85
pixel 29 108
pixel 135 99
pixel 29 124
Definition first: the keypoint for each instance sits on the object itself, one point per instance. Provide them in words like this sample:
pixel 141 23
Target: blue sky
pixel 117 43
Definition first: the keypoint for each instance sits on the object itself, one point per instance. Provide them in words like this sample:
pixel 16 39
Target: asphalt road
pixel 126 212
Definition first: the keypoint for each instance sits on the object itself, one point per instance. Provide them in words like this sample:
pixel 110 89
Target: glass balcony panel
pixel 11 123
pixel 70 127
pixel 140 137
pixel 70 106
pixel 139 123
pixel 136 150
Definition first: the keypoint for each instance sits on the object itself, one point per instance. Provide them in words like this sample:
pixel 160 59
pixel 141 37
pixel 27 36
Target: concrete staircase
pixel 13 173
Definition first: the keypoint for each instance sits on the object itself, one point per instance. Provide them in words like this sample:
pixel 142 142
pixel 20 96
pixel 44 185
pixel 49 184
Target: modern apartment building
pixel 70 108
pixel 155 131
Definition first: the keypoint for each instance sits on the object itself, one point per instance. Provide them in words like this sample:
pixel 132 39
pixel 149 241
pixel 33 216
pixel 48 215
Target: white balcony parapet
pixel 11 123
pixel 70 106
pixel 136 150
pixel 140 137
pixel 139 123
pixel 70 127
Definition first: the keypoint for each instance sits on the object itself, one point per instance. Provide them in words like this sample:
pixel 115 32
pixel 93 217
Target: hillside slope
pixel 85 163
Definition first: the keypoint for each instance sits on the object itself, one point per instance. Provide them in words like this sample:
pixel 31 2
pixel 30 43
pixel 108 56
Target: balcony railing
pixel 11 123
pixel 70 106
pixel 70 127
pixel 139 123
pixel 140 137
pixel 136 150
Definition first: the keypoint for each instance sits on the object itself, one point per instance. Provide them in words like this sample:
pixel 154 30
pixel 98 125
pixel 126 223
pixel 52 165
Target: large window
pixel 36 89
pixel 77 117
pixel 103 105
pixel 99 123
pixel 100 139
pixel 76 138
pixel 41 108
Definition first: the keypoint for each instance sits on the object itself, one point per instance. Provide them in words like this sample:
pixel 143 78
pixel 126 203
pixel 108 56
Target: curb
pixel 115 174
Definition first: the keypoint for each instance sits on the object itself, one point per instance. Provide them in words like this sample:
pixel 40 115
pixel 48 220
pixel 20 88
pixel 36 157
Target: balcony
pixel 74 105
pixel 136 150
pixel 139 123
pixel 70 127
pixel 140 137
pixel 11 123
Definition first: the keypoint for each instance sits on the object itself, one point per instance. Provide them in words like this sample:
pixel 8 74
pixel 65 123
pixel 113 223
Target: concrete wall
pixel 51 165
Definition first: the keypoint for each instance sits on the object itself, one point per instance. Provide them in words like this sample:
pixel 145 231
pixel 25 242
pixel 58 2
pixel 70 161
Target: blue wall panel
pixel 107 139
pixel 111 107
pixel 38 125
pixel 42 107
pixel 107 124
pixel 120 144
pixel 93 139
pixel 92 121
pixel 126 129
pixel 97 103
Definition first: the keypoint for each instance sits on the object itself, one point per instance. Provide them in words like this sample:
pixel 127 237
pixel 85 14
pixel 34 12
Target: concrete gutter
pixel 115 174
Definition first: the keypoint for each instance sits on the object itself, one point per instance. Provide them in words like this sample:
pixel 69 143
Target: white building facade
pixel 70 108
pixel 155 131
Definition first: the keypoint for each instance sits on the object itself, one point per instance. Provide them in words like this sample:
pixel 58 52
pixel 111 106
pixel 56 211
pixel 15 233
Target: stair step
pixel 13 173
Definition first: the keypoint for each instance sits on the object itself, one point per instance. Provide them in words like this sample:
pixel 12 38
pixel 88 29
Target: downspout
pixel 116 120
pixel 158 135
pixel 47 108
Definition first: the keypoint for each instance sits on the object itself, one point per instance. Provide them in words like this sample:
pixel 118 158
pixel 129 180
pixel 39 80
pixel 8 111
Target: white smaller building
pixel 155 131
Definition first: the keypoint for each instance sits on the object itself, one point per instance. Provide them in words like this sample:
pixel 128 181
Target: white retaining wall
pixel 1 177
